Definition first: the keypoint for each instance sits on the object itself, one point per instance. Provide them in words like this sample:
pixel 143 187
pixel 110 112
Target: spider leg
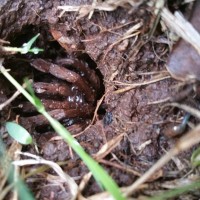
pixel 58 114
pixel 83 67
pixel 52 89
pixel 49 104
pixel 65 74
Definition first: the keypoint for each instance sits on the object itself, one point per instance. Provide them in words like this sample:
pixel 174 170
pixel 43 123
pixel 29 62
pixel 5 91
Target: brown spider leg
pixel 58 114
pixel 82 66
pixel 50 105
pixel 52 89
pixel 65 74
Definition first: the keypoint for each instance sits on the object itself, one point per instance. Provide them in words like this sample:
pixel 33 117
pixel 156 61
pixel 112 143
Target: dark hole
pixel 93 65
pixel 21 68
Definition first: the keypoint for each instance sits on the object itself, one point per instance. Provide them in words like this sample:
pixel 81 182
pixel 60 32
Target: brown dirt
pixel 128 61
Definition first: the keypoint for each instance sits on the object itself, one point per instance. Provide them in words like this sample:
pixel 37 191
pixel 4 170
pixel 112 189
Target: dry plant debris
pixel 181 27
pixel 109 5
pixel 63 177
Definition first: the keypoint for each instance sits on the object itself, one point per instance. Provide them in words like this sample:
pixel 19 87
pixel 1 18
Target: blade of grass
pixel 195 159
pixel 19 185
pixel 25 48
pixel 176 192
pixel 98 172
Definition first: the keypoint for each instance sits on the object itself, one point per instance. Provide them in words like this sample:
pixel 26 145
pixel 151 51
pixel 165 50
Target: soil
pixel 134 113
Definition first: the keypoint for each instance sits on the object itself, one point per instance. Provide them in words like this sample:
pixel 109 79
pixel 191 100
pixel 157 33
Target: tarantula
pixel 74 96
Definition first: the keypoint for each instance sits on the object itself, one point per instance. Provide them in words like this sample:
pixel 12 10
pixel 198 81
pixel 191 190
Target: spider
pixel 72 94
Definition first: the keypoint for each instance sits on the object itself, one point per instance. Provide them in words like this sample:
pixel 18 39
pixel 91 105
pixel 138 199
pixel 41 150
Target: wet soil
pixel 132 112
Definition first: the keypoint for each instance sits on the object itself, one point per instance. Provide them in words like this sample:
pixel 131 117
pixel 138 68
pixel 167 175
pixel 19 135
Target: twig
pixel 139 84
pixel 159 101
pixel 13 97
pixel 182 27
pixel 192 111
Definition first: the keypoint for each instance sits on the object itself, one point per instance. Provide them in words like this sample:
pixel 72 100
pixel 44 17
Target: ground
pixel 131 116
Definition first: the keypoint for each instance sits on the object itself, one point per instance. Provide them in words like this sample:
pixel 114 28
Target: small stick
pixel 134 85
pixel 12 98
